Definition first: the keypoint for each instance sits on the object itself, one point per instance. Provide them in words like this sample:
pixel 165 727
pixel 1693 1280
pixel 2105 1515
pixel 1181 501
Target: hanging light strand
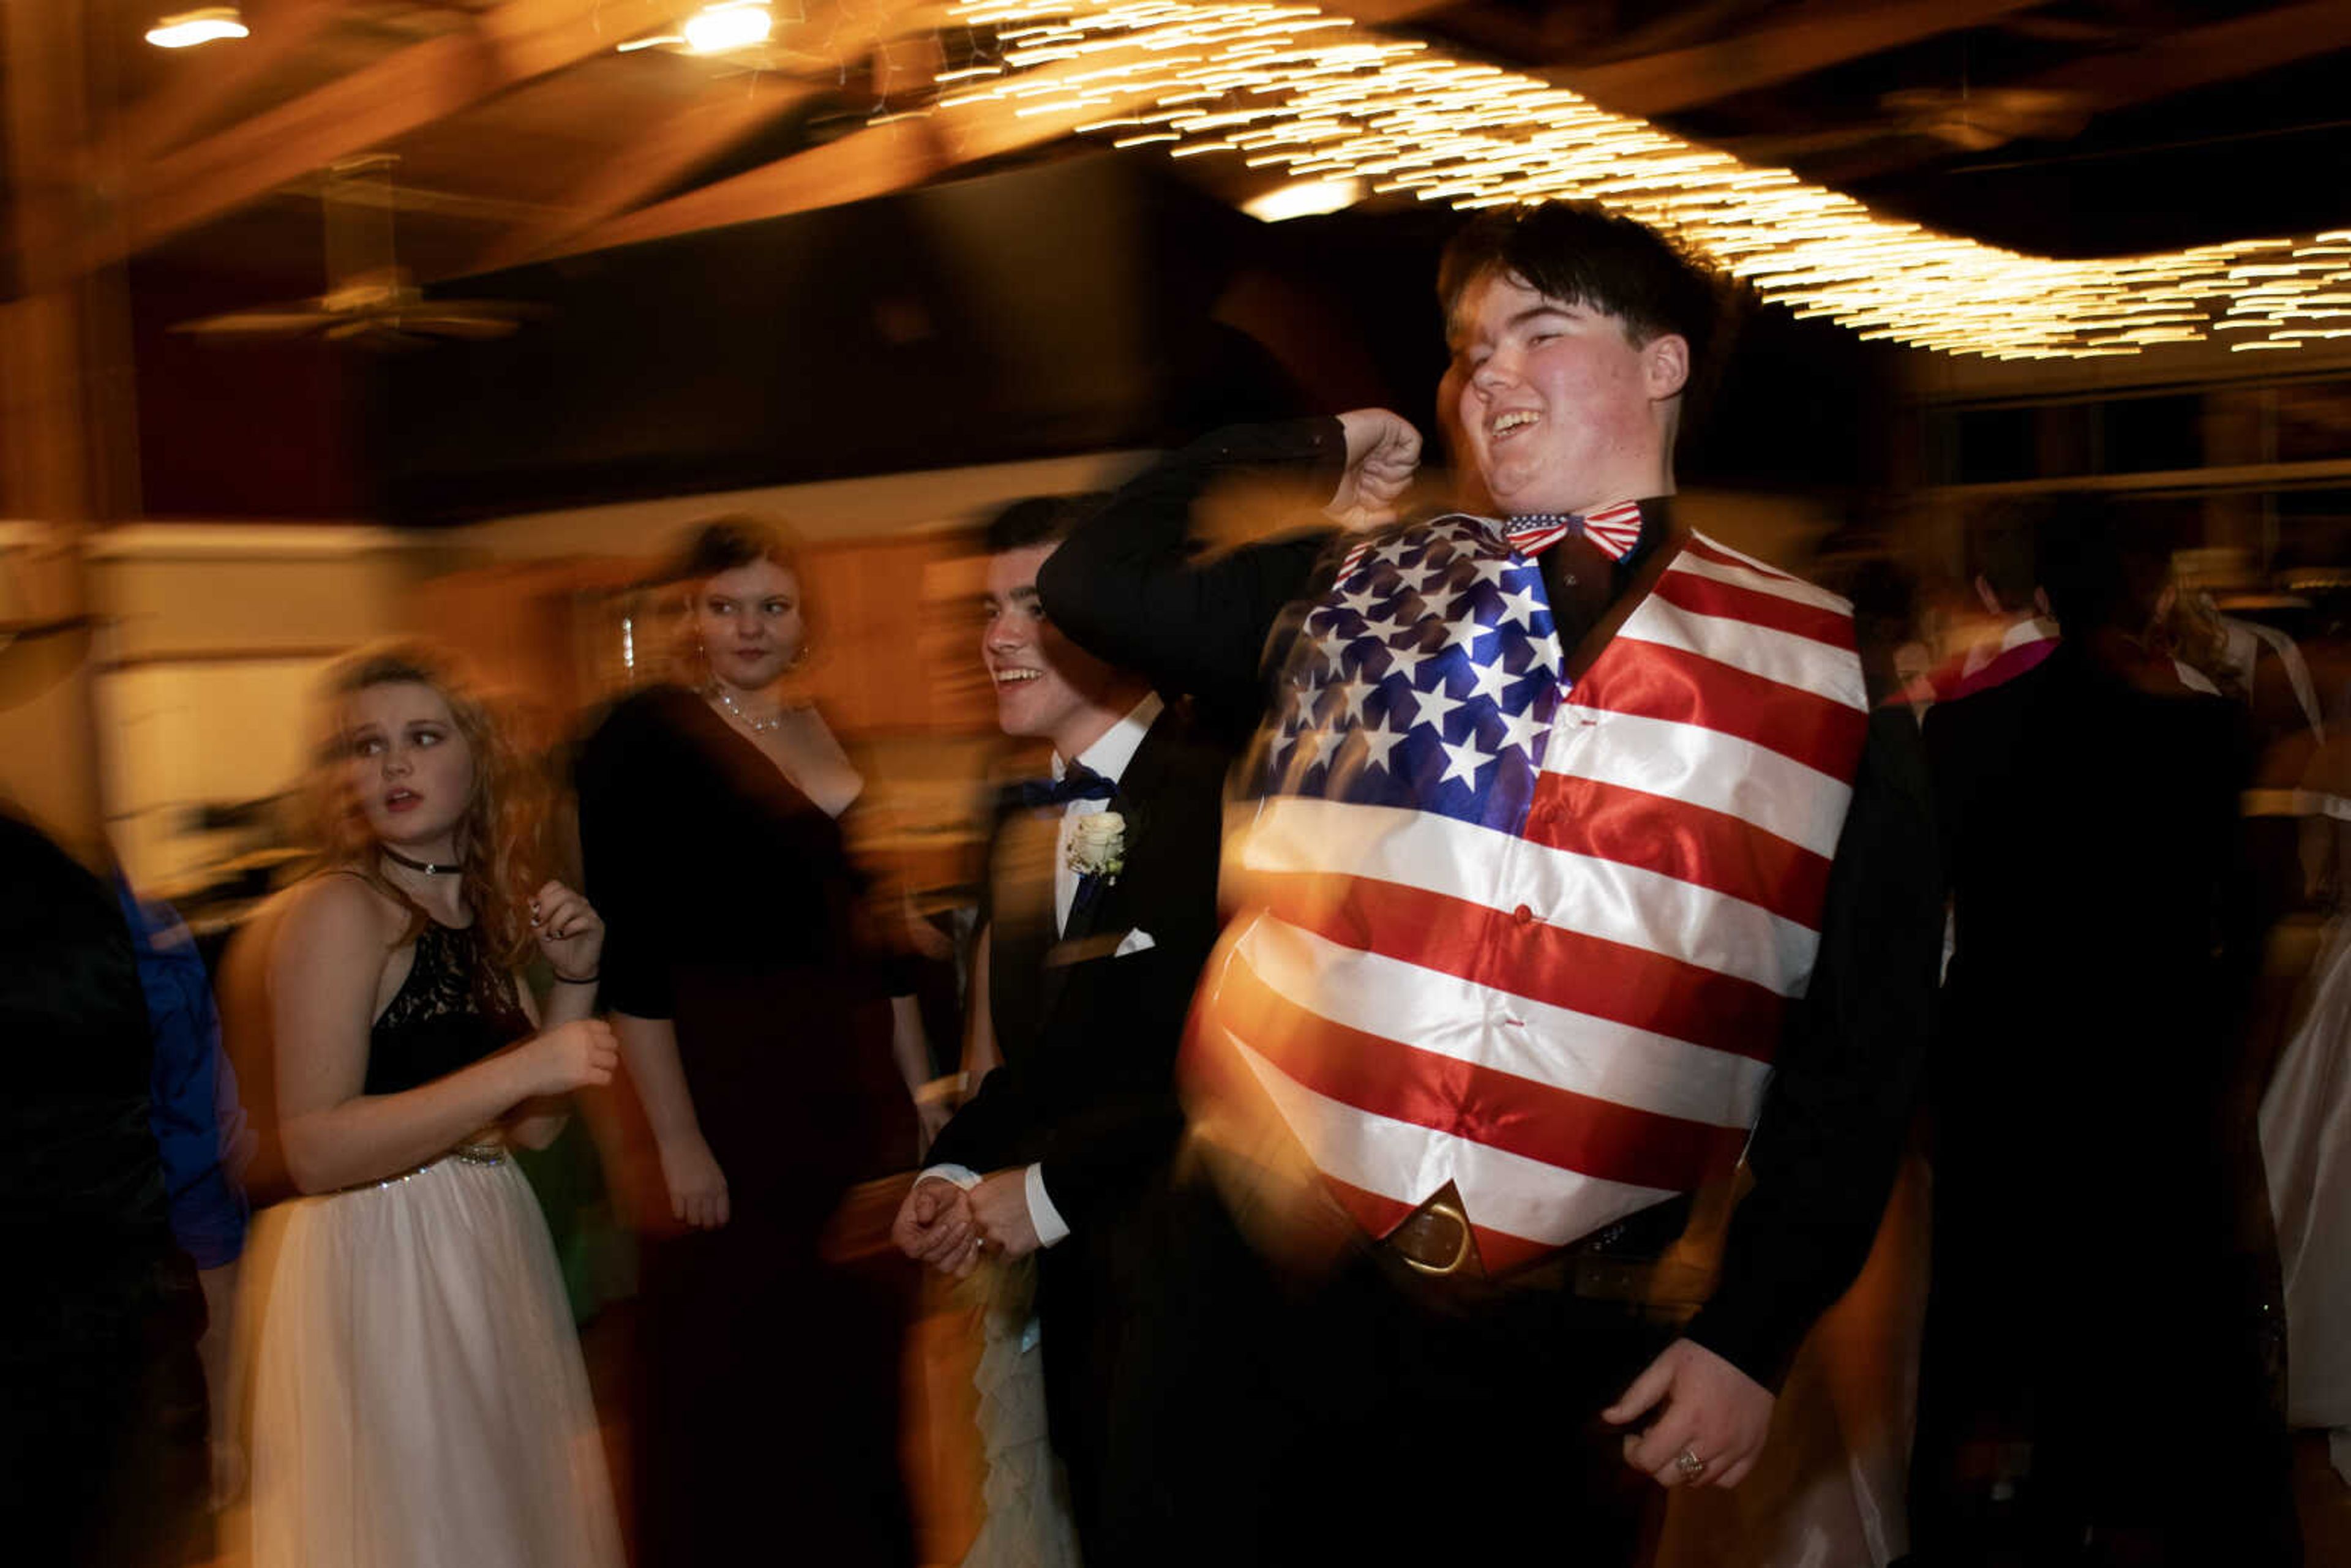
pixel 1290 87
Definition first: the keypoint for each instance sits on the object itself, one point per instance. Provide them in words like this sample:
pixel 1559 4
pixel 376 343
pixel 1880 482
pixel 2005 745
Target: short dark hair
pixel 725 543
pixel 1579 253
pixel 2101 568
pixel 1036 520
pixel 2003 544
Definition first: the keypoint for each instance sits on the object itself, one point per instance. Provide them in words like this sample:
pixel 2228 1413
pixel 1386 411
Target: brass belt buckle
pixel 1444 1205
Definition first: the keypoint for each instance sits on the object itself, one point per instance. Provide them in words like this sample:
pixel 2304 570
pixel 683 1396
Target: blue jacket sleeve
pixel 195 1113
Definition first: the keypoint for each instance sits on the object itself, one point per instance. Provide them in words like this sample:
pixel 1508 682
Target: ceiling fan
pixel 370 300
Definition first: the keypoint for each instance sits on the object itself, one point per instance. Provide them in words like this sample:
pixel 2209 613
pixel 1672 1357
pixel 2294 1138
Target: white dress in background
pixel 1027 1522
pixel 2306 1127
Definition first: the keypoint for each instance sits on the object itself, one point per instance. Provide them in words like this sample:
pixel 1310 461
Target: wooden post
pixel 67 451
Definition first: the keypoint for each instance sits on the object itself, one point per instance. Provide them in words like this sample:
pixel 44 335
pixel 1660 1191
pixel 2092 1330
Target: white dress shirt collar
pixel 1110 754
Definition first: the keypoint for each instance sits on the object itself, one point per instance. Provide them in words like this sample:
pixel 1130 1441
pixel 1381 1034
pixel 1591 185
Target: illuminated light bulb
pixel 189 28
pixel 715 29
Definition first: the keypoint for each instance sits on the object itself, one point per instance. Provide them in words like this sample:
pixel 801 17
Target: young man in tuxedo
pixel 1101 908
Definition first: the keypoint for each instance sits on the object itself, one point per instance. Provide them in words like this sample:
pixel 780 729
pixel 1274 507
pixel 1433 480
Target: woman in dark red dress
pixel 758 1032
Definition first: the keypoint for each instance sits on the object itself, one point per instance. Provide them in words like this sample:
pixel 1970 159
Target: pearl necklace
pixel 756 726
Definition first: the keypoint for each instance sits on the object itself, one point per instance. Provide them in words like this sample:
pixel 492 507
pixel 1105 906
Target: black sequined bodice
pixel 454 1009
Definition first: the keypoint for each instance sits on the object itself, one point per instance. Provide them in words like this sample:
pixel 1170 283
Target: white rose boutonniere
pixel 1098 845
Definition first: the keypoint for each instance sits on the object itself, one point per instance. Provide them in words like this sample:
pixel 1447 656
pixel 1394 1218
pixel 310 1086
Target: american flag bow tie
pixel 1613 531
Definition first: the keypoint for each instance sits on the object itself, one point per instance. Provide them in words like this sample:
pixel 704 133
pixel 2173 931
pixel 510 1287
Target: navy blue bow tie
pixel 1076 782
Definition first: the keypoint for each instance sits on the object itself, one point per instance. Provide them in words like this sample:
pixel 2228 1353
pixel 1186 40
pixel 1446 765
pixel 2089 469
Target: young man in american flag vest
pixel 1564 880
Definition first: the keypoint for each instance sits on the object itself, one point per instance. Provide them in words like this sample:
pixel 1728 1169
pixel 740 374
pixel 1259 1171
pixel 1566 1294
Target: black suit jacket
pixel 2104 936
pixel 1088 1034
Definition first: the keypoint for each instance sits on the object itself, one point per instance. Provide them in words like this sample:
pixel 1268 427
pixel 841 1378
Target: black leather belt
pixel 1435 1239
pixel 1436 1243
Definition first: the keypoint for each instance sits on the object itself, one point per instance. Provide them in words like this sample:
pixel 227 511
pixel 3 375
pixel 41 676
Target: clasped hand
pixel 948 1227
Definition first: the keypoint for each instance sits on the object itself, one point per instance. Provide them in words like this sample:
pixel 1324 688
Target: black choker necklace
pixel 427 867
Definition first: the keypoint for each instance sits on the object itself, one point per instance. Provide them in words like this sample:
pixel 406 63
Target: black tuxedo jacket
pixel 1089 1031
pixel 2104 934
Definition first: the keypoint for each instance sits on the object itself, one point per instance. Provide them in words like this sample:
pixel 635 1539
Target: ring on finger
pixel 1689 1464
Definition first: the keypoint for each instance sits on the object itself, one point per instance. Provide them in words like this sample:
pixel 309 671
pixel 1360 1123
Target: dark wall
pixel 262 428
pixel 1055 309
pixel 1089 303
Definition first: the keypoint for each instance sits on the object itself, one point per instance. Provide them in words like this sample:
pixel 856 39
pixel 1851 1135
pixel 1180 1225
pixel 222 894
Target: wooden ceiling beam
pixel 875 161
pixel 2200 56
pixel 1780 51
pixel 517 40
pixel 716 123
pixel 1384 13
pixel 2162 67
pixel 652 163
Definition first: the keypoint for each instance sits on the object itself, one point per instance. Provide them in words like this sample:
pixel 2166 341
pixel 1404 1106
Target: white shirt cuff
pixel 962 1176
pixel 1042 1215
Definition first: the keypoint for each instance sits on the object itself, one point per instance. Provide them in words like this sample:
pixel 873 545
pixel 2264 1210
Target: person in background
pixel 419 1390
pixel 2002 571
pixel 102 1425
pixel 201 1132
pixel 2093 1386
pixel 758 1028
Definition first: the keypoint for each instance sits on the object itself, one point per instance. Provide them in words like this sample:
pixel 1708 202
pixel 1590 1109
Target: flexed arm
pixel 1128 587
pixel 571 936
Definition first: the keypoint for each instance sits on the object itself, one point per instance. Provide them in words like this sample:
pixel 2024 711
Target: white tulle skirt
pixel 1027 1524
pixel 420 1400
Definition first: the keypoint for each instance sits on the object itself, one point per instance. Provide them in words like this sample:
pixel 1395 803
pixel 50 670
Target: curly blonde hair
pixel 499 837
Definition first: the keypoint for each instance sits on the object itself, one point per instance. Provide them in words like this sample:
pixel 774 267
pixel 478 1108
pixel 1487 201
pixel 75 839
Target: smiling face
pixel 408 766
pixel 1046 686
pixel 751 624
pixel 1561 410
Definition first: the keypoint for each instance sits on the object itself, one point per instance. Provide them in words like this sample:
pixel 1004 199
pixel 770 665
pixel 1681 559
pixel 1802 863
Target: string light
pixel 1290 87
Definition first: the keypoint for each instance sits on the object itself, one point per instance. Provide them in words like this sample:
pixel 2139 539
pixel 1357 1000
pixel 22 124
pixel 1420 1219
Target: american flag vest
pixel 1534 939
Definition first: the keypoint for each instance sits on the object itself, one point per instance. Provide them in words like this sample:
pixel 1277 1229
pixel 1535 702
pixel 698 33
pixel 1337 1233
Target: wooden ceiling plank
pixel 714 124
pixel 654 163
pixel 2200 56
pixel 200 94
pixel 2162 67
pixel 875 161
pixel 413 87
pixel 1683 78
pixel 1385 12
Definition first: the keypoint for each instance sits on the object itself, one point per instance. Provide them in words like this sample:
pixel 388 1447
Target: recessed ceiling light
pixel 715 29
pixel 189 28
pixel 1304 198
